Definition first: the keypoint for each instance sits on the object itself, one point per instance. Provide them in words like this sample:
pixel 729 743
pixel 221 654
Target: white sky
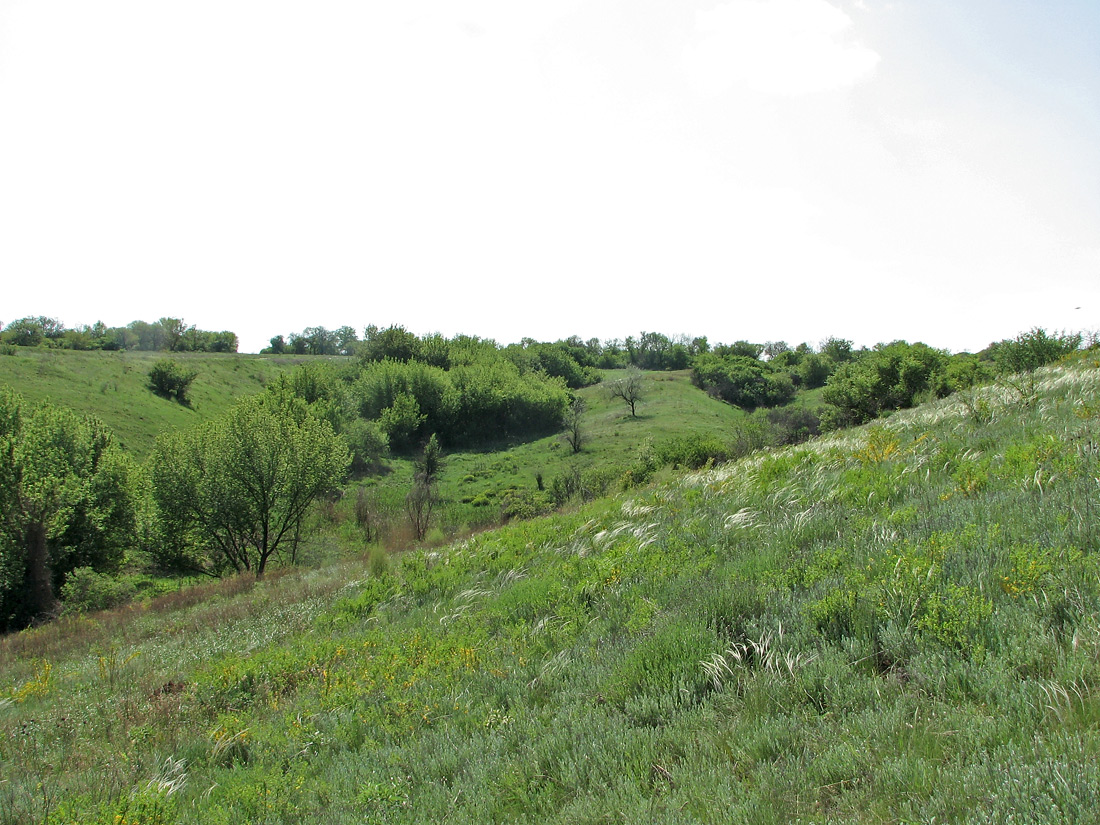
pixel 759 169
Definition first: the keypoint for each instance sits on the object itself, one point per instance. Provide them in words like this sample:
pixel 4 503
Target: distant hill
pixel 114 386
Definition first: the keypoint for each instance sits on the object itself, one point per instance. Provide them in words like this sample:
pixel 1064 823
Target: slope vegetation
pixel 897 623
pixel 114 386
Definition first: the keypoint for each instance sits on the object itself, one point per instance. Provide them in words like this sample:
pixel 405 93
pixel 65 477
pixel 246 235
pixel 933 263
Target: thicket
pixel 464 390
pixel 900 375
pixel 69 499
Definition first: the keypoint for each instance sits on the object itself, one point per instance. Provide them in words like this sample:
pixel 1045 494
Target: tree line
pixel 165 334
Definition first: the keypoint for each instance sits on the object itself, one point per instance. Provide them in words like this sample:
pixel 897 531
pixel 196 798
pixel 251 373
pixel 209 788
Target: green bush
pixel 86 591
pixel 692 451
pixel 168 378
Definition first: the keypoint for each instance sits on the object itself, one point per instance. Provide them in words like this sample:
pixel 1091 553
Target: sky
pixel 767 170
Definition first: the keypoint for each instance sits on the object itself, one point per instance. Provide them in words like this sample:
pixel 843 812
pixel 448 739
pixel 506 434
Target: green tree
pixel 742 380
pixel 67 500
pixel 1033 349
pixel 277 346
pixel 234 493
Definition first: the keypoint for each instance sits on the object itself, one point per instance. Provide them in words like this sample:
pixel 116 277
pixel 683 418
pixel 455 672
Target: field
pixel 897 623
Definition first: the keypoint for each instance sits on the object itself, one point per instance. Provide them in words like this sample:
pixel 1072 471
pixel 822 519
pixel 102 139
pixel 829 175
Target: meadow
pixel 114 386
pixel 894 623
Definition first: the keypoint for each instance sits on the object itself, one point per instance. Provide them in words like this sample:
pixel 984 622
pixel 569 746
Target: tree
pixel 32 331
pixel 630 389
pixel 423 497
pixel 234 493
pixel 574 423
pixel 1030 350
pixel 67 500
pixel 395 343
pixel 174 331
pixel 346 340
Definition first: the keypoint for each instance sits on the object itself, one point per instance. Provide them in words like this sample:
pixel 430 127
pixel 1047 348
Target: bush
pixel 743 381
pixel 1030 350
pixel 369 445
pixel 86 591
pixel 890 377
pixel 693 451
pixel 168 378
pixel 524 504
pixel 792 425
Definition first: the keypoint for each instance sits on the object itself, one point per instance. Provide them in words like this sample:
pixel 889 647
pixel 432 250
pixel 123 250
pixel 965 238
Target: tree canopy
pixel 234 493
pixel 67 500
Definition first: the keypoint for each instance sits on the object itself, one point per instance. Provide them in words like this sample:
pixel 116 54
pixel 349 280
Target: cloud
pixel 775 47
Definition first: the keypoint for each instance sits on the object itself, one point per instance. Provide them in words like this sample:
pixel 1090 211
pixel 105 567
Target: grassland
pixel 898 623
pixel 114 386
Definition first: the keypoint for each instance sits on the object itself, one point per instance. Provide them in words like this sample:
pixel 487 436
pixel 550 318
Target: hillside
pixel 897 623
pixel 475 484
pixel 114 386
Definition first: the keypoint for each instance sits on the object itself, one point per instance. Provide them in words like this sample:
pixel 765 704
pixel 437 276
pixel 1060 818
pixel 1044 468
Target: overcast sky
pixel 757 169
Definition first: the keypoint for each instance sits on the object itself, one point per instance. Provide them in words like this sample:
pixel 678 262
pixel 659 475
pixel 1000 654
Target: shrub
pixel 1030 350
pixel 368 443
pixel 692 451
pixel 168 378
pixel 524 504
pixel 86 591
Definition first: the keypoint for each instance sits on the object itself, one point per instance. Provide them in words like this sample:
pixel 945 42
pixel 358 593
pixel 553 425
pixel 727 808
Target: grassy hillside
pixel 900 623
pixel 475 484
pixel 114 386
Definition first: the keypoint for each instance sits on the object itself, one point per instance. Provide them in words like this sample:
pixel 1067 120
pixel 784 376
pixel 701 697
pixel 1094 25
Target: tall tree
pixel 234 493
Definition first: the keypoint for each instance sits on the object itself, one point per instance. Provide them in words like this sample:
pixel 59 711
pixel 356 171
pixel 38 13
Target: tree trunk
pixel 40 597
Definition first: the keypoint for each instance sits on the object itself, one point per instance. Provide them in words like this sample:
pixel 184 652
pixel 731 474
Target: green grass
pixel 114 386
pixel 897 623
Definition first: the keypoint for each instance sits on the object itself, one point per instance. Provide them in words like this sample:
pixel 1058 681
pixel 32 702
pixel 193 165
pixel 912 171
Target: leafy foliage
pixel 890 377
pixel 743 380
pixel 68 499
pixel 235 492
pixel 1033 349
pixel 168 378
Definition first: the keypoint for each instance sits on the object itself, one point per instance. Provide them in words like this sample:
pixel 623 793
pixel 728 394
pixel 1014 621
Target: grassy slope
pixel 474 483
pixel 896 624
pixel 672 407
pixel 114 386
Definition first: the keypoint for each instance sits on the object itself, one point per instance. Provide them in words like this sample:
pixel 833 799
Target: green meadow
pixel 895 623
pixel 114 386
